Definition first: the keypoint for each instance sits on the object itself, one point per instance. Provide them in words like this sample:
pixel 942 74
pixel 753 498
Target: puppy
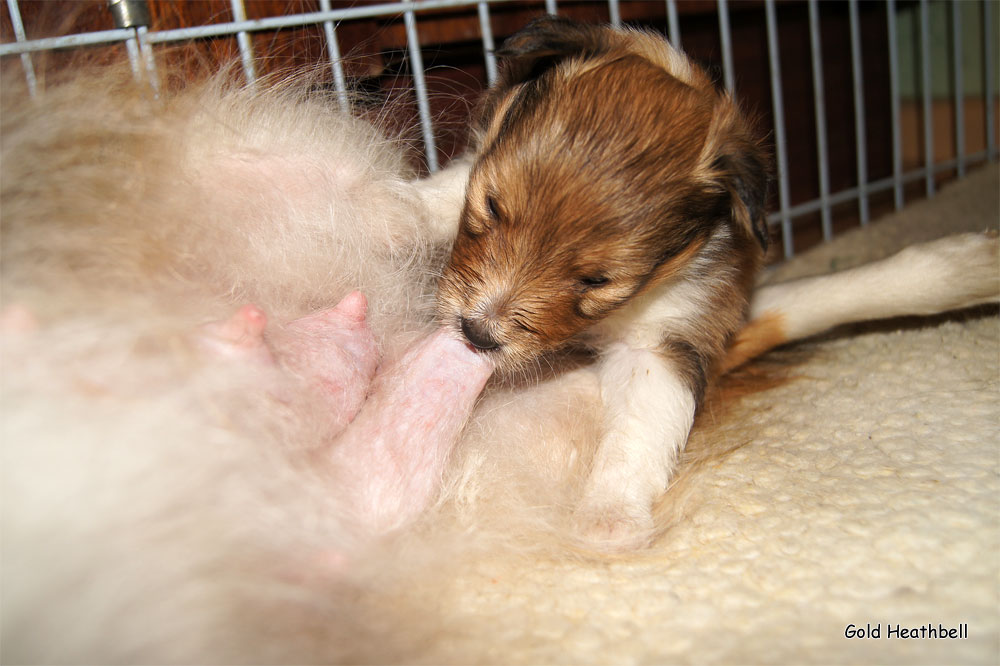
pixel 615 198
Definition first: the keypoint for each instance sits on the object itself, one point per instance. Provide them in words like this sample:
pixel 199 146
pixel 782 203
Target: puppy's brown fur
pixel 615 197
pixel 606 165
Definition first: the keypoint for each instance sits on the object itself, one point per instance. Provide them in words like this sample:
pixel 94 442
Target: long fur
pixel 158 506
pixel 616 200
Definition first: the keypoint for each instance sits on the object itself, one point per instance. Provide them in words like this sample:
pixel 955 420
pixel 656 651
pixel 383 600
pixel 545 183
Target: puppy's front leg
pixel 648 411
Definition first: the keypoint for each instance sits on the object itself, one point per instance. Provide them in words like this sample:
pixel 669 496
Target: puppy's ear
pixel 532 51
pixel 742 169
pixel 543 43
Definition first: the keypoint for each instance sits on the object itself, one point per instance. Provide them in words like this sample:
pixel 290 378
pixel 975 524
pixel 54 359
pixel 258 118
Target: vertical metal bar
pixel 134 59
pixel 19 35
pixel 614 12
pixel 486 30
pixel 146 51
pixel 243 39
pixel 819 102
pixel 925 70
pixel 991 135
pixel 420 86
pixel 550 7
pixel 859 114
pixel 727 45
pixel 956 39
pixel 673 24
pixel 779 127
pixel 134 15
pixel 336 63
pixel 897 142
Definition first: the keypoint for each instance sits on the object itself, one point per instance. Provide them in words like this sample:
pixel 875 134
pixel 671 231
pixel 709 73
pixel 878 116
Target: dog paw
pixel 614 528
pixel 956 271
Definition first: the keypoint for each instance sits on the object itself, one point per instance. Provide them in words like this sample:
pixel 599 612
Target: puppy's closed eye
pixel 594 281
pixel 492 209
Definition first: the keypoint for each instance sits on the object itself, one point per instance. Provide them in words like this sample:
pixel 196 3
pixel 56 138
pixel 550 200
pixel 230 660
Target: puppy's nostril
pixel 476 333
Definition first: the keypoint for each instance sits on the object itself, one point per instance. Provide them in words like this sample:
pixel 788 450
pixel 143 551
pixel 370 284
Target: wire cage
pixel 864 105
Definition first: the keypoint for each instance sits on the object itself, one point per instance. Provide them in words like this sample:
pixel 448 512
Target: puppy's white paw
pixel 614 527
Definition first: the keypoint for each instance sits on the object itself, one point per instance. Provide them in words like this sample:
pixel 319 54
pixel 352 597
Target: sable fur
pixel 606 164
pixel 615 198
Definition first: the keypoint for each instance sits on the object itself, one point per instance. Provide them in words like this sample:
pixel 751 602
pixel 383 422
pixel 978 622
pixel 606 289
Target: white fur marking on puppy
pixel 674 305
pixel 648 415
pixel 953 272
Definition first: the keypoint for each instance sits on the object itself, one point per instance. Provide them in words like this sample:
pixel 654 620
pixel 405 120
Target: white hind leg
pixel 951 273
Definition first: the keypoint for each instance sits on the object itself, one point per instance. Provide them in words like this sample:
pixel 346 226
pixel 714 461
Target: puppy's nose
pixel 476 333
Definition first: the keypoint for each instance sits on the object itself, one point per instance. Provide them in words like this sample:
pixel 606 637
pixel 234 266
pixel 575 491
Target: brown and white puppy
pixel 615 198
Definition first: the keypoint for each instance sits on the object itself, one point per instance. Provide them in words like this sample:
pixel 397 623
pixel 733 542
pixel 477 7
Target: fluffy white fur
pixel 953 272
pixel 157 506
pixel 648 413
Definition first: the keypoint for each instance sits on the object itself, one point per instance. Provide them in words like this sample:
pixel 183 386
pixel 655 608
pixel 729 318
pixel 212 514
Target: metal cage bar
pixel 139 44
pixel 243 39
pixel 988 73
pixel 486 30
pixel 774 61
pixel 925 71
pixel 860 134
pixel 19 35
pixel 725 38
pixel 336 62
pixel 897 141
pixel 134 57
pixel 819 103
pixel 956 45
pixel 146 54
pixel 673 24
pixel 614 13
pixel 232 28
pixel 420 88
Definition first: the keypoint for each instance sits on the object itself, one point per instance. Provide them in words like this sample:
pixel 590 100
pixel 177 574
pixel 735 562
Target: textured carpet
pixel 866 492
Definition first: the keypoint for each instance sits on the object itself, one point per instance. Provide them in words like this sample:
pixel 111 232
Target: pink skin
pixel 335 352
pixel 239 337
pixel 389 435
pixel 394 453
pixel 332 351
pixel 17 320
pixel 392 435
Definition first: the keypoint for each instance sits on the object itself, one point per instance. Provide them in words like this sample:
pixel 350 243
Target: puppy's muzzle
pixel 477 333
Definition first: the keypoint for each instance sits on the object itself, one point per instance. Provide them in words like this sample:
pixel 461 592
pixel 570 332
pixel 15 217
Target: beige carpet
pixel 867 493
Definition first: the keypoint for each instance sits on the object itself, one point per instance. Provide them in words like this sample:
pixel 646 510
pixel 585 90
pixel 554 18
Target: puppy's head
pixel 605 162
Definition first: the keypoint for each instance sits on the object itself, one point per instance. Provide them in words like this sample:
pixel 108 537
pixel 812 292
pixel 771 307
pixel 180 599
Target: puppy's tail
pixel 948 274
